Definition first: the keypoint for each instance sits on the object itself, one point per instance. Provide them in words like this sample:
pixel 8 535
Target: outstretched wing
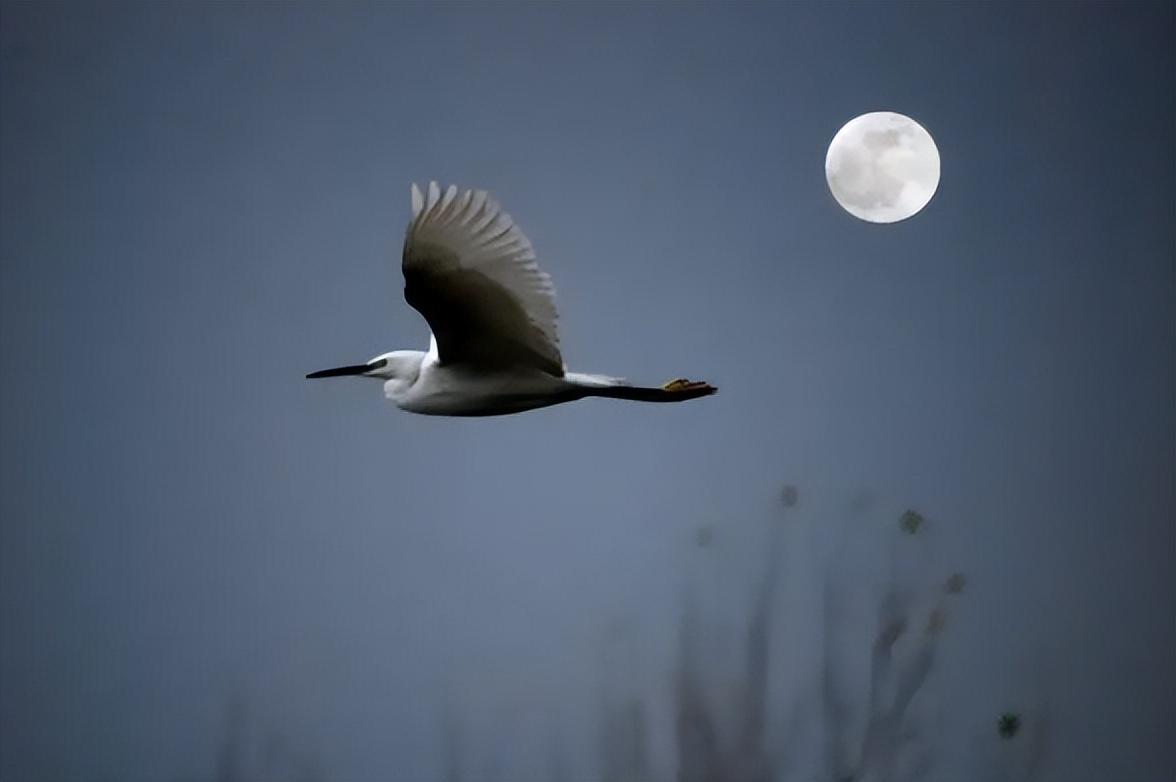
pixel 473 275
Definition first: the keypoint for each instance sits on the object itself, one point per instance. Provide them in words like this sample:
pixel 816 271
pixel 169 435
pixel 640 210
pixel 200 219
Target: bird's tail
pixel 615 388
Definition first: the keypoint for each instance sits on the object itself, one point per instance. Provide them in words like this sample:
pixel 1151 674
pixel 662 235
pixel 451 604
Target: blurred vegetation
pixel 731 718
pixel 244 757
pixel 911 522
pixel 730 724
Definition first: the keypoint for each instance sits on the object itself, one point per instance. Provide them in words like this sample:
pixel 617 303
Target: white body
pixel 459 390
pixel 442 390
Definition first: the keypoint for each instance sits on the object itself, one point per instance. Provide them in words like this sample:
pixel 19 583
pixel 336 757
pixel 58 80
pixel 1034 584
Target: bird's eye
pixel 378 363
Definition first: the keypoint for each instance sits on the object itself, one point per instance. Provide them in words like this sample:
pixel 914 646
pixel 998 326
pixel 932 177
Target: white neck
pixel 400 370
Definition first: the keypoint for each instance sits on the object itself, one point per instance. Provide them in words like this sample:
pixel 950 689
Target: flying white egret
pixel 493 349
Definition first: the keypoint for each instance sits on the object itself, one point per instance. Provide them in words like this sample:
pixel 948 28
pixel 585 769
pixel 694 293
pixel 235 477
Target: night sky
pixel 202 553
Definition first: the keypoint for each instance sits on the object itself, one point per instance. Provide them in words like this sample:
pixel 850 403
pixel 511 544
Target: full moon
pixel 882 167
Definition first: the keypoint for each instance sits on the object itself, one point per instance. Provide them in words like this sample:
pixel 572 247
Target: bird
pixel 493 344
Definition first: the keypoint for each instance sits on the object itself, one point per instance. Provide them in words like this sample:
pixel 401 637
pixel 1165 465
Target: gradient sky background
pixel 200 204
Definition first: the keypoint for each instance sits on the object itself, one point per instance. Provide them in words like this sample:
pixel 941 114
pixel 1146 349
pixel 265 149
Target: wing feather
pixel 474 276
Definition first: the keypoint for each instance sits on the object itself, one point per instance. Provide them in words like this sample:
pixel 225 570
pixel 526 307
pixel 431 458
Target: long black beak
pixel 358 369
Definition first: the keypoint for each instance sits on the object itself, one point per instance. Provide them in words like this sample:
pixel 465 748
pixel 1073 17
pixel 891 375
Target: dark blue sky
pixel 201 203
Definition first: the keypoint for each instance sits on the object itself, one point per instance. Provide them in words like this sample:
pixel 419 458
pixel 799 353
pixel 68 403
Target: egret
pixel 493 347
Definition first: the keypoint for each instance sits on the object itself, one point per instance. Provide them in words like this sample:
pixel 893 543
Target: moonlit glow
pixel 882 167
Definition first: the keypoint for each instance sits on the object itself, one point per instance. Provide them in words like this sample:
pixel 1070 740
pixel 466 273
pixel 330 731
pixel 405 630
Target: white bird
pixel 494 349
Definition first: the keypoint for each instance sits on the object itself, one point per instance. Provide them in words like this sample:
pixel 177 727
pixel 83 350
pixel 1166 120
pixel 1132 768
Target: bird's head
pixel 403 365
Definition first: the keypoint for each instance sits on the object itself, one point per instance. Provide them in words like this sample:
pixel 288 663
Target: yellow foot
pixel 682 385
